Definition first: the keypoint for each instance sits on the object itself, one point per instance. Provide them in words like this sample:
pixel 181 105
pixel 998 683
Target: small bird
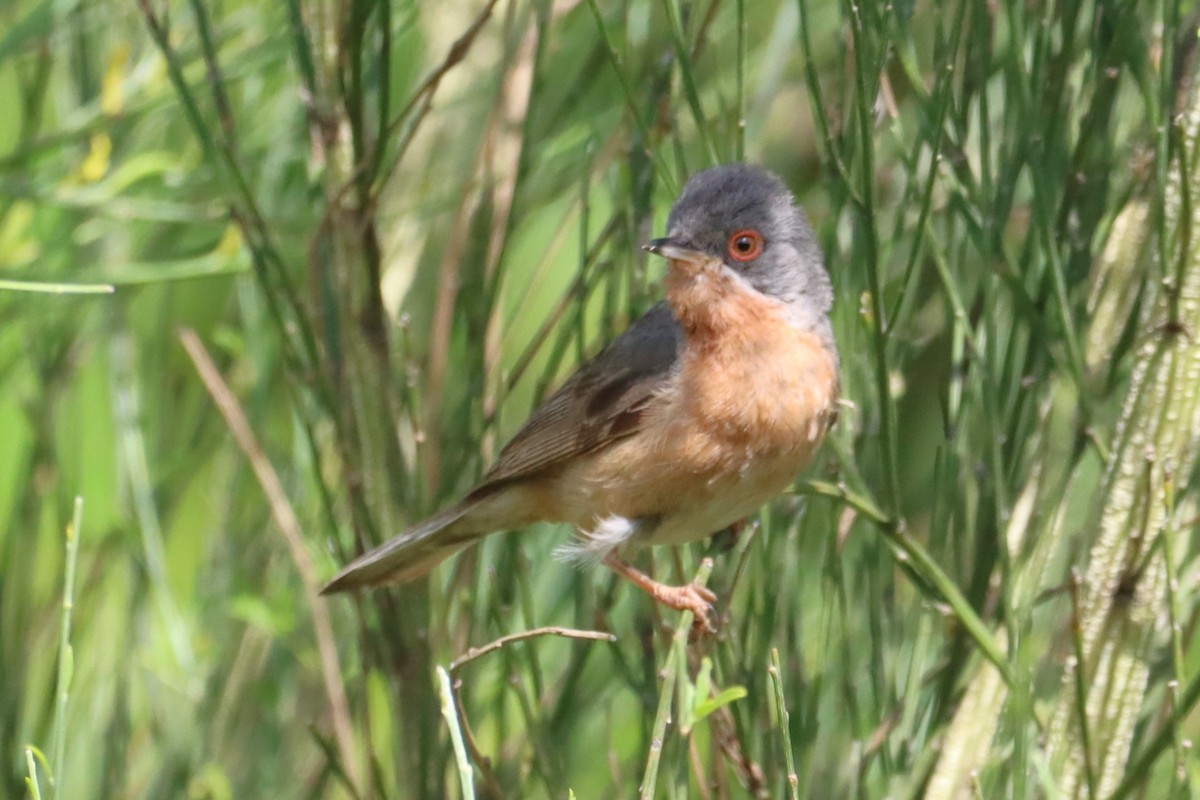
pixel 703 410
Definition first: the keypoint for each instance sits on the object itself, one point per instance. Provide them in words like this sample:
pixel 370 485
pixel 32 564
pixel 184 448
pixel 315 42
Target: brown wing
pixel 603 402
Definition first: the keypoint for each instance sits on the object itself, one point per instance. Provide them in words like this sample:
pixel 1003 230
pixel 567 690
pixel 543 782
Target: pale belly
pixel 716 505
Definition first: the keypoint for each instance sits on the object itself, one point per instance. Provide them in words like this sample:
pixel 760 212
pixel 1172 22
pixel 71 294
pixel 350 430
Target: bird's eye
pixel 746 245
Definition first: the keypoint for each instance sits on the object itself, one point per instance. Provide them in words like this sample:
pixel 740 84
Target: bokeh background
pixel 278 278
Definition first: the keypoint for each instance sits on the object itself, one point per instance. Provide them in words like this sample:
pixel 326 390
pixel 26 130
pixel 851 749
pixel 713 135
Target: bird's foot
pixel 693 598
pixel 689 597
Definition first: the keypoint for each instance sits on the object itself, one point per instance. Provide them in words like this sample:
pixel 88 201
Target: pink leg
pixel 688 597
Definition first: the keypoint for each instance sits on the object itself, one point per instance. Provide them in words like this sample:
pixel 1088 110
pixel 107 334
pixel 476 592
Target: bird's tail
pixel 412 553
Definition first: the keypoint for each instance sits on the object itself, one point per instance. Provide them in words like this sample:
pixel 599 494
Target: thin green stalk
pixel 129 418
pixel 56 288
pixel 1019 706
pixel 775 673
pixel 302 47
pixel 832 151
pixel 297 337
pixel 419 104
pixel 682 57
pixel 676 661
pixel 383 92
pixel 913 552
pixel 981 27
pixel 31 780
pixel 466 777
pixel 1062 303
pixel 938 124
pixel 739 138
pixel 1185 229
pixel 631 102
pixel 870 242
pixel 1164 148
pixel 859 502
pixel 910 553
pixel 333 762
pixel 529 702
pixel 950 287
pixel 66 654
pixel 222 156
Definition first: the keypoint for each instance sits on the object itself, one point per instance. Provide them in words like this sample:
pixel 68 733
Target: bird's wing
pixel 604 401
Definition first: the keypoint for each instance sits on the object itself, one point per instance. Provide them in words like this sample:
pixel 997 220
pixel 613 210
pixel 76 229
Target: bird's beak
pixel 675 250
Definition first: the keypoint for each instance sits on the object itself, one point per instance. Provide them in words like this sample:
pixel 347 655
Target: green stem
pixel 66 656
pixel 775 673
pixel 466 777
pixel 675 661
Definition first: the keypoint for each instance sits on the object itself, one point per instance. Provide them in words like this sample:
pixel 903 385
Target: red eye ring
pixel 745 245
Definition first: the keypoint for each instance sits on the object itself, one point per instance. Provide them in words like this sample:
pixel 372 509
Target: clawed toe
pixel 696 599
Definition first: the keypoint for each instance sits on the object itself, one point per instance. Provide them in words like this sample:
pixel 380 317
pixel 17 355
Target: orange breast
pixel 752 401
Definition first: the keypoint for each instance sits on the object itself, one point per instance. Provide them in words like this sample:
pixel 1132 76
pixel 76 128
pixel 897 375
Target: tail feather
pixel 411 554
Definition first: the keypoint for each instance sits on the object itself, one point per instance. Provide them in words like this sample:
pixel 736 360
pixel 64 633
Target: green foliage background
pixel 393 226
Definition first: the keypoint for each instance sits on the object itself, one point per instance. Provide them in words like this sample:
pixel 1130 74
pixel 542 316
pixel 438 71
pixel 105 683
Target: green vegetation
pixel 278 278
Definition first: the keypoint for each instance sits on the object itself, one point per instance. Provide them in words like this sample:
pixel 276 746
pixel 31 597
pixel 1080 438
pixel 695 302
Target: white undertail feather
pixel 591 547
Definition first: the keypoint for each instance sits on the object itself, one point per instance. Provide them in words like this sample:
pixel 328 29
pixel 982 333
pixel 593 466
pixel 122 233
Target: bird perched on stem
pixel 706 408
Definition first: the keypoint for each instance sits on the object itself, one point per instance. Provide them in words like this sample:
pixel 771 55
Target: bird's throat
pixel 711 302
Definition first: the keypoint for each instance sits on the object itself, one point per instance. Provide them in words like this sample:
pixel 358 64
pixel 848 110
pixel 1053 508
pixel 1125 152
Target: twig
pixel 289 525
pixel 491 784
pixel 570 633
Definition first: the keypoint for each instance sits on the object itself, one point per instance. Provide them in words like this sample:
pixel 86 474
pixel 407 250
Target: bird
pixel 705 408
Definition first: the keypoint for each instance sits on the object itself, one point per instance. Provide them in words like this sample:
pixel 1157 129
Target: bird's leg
pixel 727 538
pixel 688 597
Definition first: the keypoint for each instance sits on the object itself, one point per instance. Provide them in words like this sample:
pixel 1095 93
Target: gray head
pixel 745 216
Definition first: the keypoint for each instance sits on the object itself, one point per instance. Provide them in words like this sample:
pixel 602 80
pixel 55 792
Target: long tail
pixel 412 553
